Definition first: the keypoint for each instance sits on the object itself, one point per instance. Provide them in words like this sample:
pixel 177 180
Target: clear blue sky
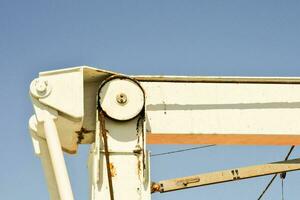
pixel 249 38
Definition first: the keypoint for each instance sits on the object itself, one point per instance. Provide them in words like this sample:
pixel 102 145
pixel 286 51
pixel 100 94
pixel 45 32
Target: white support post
pixel 42 151
pixel 128 163
pixel 121 118
pixel 58 161
pixel 94 166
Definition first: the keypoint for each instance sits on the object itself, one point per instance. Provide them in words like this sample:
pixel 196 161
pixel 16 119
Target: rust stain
pixel 113 170
pixel 139 167
pixel 80 134
pixel 188 181
pixel 155 187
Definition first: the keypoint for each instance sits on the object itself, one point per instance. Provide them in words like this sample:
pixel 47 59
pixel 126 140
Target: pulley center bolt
pixel 41 86
pixel 121 98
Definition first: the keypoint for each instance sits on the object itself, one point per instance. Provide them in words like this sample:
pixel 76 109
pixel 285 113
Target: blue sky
pixel 196 37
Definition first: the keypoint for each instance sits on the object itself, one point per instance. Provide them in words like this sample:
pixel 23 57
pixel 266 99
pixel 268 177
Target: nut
pixel 41 86
pixel 121 98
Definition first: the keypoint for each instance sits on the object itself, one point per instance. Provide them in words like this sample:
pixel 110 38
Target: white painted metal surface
pixel 57 159
pixel 235 174
pixel 126 142
pixel 41 150
pixel 128 161
pixel 215 110
pixel 121 98
pixel 222 108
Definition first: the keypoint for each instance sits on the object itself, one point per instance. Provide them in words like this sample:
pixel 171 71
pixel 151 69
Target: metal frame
pixel 175 110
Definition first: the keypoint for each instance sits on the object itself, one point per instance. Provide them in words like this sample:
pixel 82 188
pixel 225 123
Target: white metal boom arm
pixel 118 115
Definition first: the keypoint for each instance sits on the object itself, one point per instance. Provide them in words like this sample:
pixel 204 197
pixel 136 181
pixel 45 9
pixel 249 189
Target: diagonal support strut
pixel 226 176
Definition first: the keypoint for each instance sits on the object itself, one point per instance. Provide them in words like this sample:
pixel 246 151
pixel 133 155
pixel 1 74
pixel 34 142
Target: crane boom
pixel 118 115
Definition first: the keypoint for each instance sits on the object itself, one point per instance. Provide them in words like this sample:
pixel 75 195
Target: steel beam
pixel 240 111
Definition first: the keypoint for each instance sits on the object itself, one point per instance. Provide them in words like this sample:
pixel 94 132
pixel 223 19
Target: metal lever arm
pixel 53 157
pixel 226 176
pixel 41 150
pixel 58 161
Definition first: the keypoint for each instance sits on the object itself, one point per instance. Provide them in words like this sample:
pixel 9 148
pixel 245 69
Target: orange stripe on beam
pixel 225 139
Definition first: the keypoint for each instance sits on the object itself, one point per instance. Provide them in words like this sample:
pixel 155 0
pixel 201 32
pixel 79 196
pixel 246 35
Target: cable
pixel 289 153
pixel 182 150
pixel 273 178
pixel 271 181
pixel 282 188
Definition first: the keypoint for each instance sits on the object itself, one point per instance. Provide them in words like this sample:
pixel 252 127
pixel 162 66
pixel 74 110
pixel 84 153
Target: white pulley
pixel 121 98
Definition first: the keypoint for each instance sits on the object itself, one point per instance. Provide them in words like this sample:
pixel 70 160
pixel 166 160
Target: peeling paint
pixel 80 134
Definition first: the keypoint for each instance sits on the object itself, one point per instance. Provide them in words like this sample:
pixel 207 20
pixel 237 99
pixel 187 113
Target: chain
pixel 103 132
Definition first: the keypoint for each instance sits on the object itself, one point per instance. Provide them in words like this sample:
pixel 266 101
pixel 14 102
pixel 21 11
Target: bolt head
pixel 41 86
pixel 121 98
